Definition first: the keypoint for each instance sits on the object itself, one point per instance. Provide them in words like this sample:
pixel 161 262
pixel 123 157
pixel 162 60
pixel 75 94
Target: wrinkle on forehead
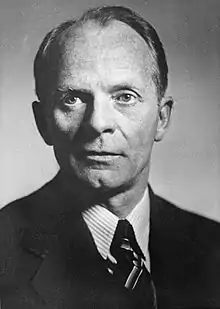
pixel 86 46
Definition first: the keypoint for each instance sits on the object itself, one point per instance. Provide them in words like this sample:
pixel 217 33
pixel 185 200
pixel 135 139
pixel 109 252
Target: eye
pixel 72 100
pixel 126 98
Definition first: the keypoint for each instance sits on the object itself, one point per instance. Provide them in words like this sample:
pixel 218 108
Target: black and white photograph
pixel 110 154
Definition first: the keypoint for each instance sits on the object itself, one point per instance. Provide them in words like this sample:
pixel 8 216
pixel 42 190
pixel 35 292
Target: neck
pixel 124 202
pixel 120 201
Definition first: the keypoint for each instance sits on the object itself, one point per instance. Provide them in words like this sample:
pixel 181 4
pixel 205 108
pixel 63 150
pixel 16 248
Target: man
pixel 96 236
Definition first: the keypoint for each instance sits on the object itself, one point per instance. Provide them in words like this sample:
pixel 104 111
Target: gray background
pixel 186 165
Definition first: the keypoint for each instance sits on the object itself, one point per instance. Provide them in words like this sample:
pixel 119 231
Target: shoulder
pixel 28 219
pixel 178 217
pixel 43 212
pixel 23 210
pixel 184 228
pixel 37 209
pixel 185 254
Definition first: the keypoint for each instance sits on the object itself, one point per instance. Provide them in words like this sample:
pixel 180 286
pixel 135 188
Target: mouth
pixel 100 153
pixel 101 156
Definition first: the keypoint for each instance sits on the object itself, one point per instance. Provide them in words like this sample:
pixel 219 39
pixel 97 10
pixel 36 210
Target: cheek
pixel 65 122
pixel 142 132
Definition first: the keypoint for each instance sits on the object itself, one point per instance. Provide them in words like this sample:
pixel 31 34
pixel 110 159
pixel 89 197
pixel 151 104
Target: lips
pixel 100 157
pixel 100 153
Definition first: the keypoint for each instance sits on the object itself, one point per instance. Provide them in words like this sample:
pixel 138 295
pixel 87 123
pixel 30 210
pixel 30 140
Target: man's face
pixel 103 113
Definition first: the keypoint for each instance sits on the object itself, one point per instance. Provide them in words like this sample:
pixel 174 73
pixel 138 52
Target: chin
pixel 105 180
pixel 95 178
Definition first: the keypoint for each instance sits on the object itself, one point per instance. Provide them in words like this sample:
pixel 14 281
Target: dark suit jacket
pixel 48 259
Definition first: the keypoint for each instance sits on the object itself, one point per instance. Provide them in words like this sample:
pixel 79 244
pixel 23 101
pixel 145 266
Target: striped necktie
pixel 130 270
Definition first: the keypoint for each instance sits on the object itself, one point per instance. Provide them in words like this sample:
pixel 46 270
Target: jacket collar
pixel 69 251
pixel 64 251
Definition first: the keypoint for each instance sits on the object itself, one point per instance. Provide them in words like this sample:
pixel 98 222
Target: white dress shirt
pixel 102 224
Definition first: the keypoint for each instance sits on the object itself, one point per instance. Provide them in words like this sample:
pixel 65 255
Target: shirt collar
pixel 139 219
pixel 102 224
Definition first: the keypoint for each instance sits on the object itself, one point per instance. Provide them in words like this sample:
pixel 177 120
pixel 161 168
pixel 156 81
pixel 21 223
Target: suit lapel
pixel 154 235
pixel 71 269
pixel 162 246
pixel 40 245
pixel 178 257
pixel 72 273
pixel 70 265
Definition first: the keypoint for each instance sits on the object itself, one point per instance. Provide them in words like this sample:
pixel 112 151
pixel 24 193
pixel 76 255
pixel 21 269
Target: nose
pixel 101 114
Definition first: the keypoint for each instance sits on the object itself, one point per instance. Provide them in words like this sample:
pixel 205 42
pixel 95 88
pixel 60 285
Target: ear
pixel 41 121
pixel 165 109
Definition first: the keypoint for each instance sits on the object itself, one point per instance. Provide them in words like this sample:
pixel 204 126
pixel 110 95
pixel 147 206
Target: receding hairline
pixel 102 16
pixel 69 33
pixel 122 30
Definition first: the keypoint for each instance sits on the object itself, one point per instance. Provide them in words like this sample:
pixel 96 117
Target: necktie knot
pixel 124 241
pixel 127 253
pixel 130 270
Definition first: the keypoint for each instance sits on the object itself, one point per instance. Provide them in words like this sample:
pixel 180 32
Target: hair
pixel 44 64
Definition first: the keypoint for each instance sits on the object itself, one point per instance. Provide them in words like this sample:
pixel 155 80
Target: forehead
pixel 115 48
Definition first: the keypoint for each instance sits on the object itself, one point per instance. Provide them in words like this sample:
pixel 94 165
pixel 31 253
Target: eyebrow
pixel 71 89
pixel 111 89
pixel 124 87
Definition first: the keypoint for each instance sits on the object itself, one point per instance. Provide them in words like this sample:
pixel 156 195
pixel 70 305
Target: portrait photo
pixel 110 154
